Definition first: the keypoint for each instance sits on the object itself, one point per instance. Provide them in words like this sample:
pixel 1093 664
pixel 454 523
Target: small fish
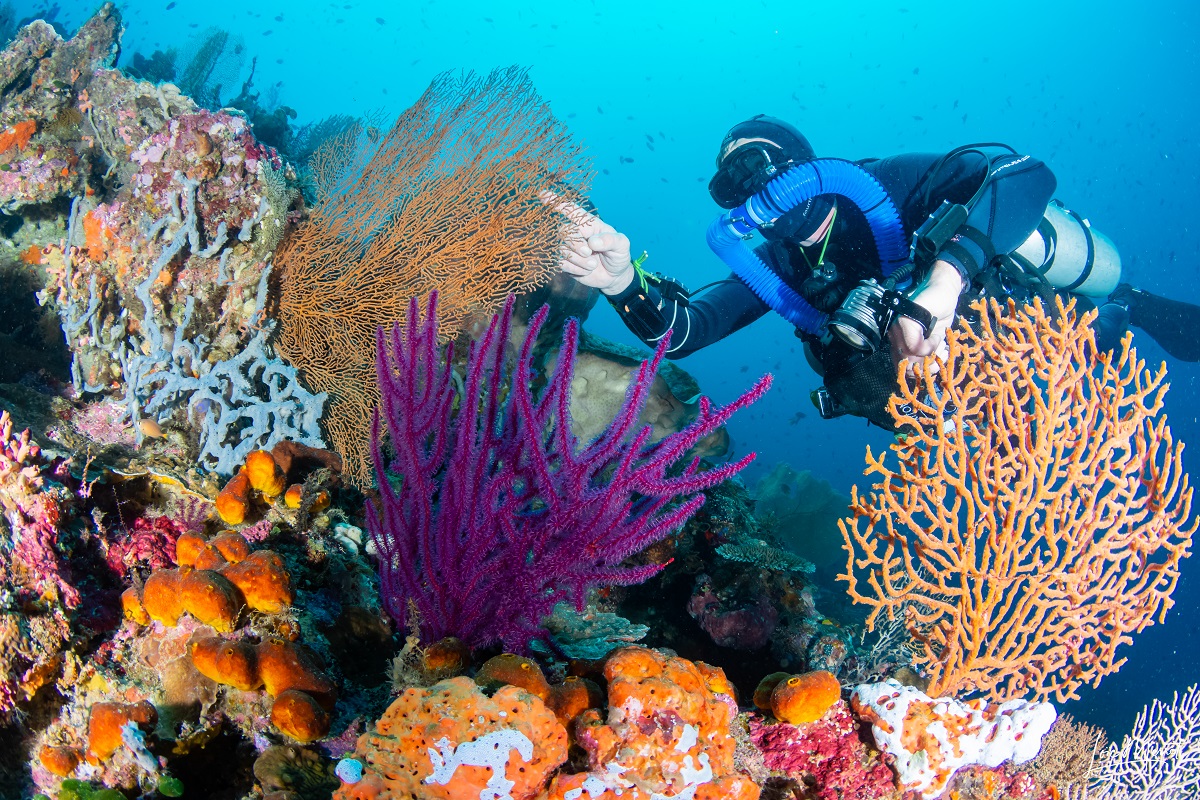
pixel 649 146
pixel 279 61
pixel 955 105
pixel 170 6
pixel 599 110
pixel 488 19
pixel 626 160
pixel 606 172
pixel 649 137
pixel 194 25
pixel 380 21
pixel 964 119
pixel 571 115
pixel 799 415
pixel 918 119
pixel 916 70
pixel 745 368
pixel 267 32
pixel 279 18
pixel 149 428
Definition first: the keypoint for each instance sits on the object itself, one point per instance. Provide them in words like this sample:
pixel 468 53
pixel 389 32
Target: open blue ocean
pixel 1104 92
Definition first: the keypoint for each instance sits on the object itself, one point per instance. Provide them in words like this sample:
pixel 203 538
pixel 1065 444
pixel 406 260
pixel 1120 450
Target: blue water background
pixel 1105 92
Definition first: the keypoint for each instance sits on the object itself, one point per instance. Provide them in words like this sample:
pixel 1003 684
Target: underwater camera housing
pixel 870 308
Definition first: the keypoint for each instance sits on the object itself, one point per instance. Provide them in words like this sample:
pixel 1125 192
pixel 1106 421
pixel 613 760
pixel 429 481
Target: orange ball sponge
pixel 211 598
pixel 284 665
pixel 233 502
pixel 572 697
pixel 209 557
pixel 132 606
pixel 264 474
pixel 513 670
pixel 232 546
pixel 293 495
pixel 105 721
pixel 300 716
pixel 60 761
pixel 762 693
pixel 805 698
pixel 230 663
pixel 396 753
pixel 187 547
pixel 161 597
pixel 446 658
pixel 263 581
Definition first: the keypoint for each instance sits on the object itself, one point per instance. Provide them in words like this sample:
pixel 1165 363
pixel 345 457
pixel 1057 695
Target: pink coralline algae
pixel 104 422
pixel 214 148
pixel 826 754
pixel 33 512
pixel 149 542
pixel 746 628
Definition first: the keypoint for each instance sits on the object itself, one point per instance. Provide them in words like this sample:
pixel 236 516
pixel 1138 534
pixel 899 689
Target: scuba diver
pixel 871 260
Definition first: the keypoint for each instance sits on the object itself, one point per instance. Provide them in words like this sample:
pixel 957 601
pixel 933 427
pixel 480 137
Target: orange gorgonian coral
pixel 1027 536
pixel 447 199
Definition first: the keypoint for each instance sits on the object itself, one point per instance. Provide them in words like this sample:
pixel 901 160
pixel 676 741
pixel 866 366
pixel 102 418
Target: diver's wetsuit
pixel 1007 212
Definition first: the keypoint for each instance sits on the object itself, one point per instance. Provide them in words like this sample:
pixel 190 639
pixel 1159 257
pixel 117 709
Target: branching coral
pixel 1037 513
pixel 1159 759
pixel 499 514
pixel 447 199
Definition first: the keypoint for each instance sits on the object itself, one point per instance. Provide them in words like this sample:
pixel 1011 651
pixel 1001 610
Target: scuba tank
pixel 1070 254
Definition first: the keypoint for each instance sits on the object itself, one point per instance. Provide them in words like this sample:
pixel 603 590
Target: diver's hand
pixel 939 296
pixel 594 253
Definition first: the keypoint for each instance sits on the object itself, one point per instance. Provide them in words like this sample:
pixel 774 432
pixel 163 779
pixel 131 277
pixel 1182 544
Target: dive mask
pixel 744 173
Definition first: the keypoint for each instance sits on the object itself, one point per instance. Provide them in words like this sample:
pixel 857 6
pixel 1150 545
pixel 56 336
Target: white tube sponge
pixel 929 739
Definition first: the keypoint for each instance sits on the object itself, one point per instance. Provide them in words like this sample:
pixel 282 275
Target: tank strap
pixel 1049 246
pixel 1091 253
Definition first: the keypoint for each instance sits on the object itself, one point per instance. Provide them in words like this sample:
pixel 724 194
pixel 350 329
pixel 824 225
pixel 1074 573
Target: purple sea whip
pixel 487 514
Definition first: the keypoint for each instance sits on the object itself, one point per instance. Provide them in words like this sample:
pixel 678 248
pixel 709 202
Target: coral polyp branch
pixel 490 515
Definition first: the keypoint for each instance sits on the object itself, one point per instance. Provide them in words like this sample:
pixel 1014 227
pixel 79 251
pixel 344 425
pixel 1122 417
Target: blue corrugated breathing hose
pixel 798 184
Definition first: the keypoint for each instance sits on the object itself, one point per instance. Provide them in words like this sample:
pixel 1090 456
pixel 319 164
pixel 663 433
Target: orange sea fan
pixel 446 199
pixel 1036 512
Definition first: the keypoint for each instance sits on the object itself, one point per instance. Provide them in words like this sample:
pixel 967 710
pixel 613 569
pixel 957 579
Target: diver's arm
pixel 597 255
pixel 1006 211
pixel 650 313
pixel 937 294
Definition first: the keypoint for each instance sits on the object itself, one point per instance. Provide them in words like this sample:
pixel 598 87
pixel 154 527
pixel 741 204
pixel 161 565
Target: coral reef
pixel 824 753
pixel 194 603
pixel 159 273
